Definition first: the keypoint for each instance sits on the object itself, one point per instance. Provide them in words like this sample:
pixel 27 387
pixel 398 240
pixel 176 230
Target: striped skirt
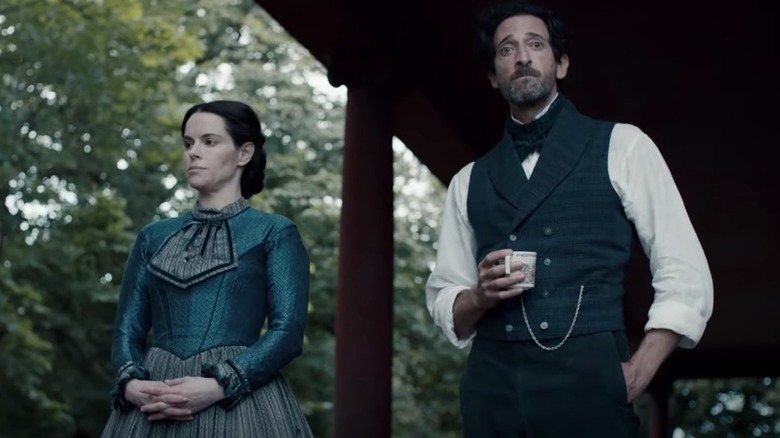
pixel 269 411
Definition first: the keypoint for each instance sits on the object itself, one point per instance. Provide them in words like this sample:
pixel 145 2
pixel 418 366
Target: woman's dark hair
pixel 243 126
pixel 492 16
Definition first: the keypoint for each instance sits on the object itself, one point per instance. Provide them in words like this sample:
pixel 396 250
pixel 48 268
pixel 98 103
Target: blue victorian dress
pixel 200 288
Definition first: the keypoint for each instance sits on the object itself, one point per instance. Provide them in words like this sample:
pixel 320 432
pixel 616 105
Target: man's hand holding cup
pixel 503 274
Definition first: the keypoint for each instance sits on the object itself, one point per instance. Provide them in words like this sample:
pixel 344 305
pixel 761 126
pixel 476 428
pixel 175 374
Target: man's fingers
pixel 492 258
pixel 494 273
pixel 509 293
pixel 504 282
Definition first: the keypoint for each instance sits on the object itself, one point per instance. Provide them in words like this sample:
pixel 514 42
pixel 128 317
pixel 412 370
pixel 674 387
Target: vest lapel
pixel 506 170
pixel 563 148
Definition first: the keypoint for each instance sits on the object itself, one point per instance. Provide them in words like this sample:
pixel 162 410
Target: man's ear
pixel 563 67
pixel 492 79
pixel 245 153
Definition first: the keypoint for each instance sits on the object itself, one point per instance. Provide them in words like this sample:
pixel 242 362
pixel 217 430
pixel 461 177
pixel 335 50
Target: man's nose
pixel 522 57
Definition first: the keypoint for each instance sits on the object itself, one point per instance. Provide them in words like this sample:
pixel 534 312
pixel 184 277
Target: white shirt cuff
pixel 678 318
pixel 444 315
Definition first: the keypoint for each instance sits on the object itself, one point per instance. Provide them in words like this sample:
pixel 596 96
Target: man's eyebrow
pixel 535 35
pixel 528 35
pixel 505 39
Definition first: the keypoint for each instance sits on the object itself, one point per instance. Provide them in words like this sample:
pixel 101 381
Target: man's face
pixel 526 70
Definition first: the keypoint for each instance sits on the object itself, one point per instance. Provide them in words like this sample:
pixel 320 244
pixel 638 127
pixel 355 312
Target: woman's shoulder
pixel 164 227
pixel 254 227
pixel 266 220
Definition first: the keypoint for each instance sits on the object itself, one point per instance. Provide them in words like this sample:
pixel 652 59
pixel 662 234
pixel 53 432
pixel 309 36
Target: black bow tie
pixel 529 137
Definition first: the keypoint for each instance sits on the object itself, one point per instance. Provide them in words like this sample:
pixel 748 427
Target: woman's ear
pixel 245 153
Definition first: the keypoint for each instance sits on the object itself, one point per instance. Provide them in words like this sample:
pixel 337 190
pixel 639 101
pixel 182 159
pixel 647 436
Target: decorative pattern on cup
pixel 528 258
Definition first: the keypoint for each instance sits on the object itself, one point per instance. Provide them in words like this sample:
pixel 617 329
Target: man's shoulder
pixel 465 170
pixel 463 175
pixel 627 132
pixel 628 128
pixel 619 129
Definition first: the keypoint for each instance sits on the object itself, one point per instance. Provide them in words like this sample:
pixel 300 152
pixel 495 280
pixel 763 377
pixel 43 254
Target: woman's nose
pixel 194 151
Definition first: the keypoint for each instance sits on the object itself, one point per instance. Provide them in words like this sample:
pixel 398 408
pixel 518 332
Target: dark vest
pixel 568 212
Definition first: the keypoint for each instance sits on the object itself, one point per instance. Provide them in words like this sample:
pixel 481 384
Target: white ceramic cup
pixel 528 259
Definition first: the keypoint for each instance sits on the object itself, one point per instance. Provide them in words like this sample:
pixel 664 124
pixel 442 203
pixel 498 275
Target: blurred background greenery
pixel 91 96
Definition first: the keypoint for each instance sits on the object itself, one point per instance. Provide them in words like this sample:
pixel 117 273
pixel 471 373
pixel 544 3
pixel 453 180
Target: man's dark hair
pixel 492 16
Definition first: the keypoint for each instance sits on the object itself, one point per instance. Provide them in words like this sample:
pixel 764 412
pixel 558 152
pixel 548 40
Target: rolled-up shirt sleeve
pixel 682 281
pixel 455 270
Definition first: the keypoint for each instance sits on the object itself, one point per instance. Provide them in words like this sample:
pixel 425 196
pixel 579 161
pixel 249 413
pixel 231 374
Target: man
pixel 553 361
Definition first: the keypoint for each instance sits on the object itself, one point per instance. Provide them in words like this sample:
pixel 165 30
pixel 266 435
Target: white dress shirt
pixel 638 173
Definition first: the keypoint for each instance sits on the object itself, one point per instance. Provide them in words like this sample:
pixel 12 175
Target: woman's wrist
pixel 218 391
pixel 130 389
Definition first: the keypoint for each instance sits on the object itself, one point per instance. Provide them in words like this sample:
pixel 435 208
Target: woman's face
pixel 212 162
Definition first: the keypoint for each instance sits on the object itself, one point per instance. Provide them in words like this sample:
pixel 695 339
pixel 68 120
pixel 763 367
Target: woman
pixel 205 283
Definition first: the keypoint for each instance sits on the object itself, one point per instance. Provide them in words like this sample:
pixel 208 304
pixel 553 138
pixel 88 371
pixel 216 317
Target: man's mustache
pixel 525 71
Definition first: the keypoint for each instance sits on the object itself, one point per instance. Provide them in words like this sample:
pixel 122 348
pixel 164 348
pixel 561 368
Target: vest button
pixel 509 327
pixel 512 237
pixel 546 293
pixel 548 231
pixel 543 325
pixel 547 262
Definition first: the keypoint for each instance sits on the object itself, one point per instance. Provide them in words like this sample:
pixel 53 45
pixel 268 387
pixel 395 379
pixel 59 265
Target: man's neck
pixel 527 114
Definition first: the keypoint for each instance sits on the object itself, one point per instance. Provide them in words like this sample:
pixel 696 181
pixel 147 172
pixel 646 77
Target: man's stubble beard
pixel 528 94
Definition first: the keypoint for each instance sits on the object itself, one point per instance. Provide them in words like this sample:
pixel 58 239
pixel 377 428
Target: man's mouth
pixel 525 73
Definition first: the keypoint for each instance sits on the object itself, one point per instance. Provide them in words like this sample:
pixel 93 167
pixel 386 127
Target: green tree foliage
pixel 84 96
pixel 426 368
pixel 732 408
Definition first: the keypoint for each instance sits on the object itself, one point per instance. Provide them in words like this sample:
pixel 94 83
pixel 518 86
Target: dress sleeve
pixel 132 324
pixel 288 299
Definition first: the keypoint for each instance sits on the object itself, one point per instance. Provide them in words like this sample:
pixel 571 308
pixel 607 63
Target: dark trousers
pixel 518 390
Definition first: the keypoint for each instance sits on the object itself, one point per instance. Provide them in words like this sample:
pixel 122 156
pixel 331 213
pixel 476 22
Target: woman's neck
pixel 218 200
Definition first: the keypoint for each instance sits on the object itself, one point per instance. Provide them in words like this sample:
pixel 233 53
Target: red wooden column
pixel 364 298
